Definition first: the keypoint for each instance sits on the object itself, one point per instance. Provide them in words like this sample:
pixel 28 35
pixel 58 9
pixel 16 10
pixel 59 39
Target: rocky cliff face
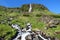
pixel 49 21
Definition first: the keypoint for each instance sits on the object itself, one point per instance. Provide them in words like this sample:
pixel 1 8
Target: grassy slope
pixel 5 29
pixel 21 20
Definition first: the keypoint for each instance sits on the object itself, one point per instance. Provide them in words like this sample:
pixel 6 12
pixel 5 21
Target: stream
pixel 23 33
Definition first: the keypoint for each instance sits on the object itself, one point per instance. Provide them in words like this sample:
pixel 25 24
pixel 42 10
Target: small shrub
pixel 55 16
pixel 38 15
pixel 26 15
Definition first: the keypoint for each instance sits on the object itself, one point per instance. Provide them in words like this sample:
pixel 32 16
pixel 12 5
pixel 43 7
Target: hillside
pixel 21 16
pixel 24 8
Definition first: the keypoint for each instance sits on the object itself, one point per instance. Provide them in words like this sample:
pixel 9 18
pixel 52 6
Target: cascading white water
pixel 29 27
pixel 30 8
pixel 41 37
pixel 19 34
pixel 19 31
pixel 24 35
pixel 16 26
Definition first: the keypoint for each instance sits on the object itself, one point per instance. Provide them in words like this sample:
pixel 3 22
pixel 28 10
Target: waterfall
pixel 30 8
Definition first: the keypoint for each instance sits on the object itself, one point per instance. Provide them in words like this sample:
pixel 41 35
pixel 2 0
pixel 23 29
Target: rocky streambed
pixel 29 34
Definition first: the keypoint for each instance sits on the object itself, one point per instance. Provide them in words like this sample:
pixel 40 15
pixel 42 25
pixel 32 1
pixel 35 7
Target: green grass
pixel 7 31
pixel 22 20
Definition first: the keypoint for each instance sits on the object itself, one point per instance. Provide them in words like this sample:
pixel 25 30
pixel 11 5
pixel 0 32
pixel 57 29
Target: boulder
pixel 2 21
pixel 49 21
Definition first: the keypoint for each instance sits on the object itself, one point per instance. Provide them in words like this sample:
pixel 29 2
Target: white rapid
pixel 30 8
pixel 24 35
pixel 41 37
pixel 29 27
pixel 16 27
pixel 21 34
pixel 19 31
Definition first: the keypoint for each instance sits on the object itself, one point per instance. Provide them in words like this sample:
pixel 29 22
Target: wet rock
pixel 16 26
pixel 28 37
pixel 2 21
pixel 9 20
pixel 52 26
pixel 36 38
pixel 56 38
pixel 56 22
pixel 49 21
pixel 57 32
pixel 46 18
pixel 28 27
pixel 1 38
pixel 14 36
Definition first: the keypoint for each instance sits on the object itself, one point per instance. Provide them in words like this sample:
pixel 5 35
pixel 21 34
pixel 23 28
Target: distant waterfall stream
pixel 30 7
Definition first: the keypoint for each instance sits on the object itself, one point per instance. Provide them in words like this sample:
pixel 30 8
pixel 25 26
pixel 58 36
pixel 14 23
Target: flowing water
pixel 25 33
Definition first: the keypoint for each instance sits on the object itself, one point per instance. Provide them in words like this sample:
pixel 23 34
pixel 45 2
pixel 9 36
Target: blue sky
pixel 52 5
